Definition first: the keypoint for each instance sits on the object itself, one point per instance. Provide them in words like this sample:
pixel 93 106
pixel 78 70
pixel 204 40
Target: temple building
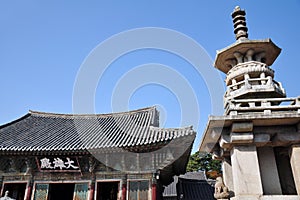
pixel 258 137
pixel 49 156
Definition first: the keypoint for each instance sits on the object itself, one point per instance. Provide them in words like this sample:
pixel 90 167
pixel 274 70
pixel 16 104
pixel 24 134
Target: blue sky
pixel 43 45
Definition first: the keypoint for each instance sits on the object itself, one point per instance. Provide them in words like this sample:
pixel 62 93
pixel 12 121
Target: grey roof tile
pixel 190 186
pixel 38 131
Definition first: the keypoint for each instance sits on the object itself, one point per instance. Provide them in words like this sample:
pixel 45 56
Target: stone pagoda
pixel 258 137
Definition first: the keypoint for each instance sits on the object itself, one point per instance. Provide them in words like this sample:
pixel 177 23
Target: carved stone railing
pixel 263 106
pixel 254 85
pixel 252 68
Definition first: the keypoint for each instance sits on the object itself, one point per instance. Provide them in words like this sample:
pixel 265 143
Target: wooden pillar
pixel 154 187
pixel 124 190
pixel 28 191
pixel 153 191
pixel 92 184
pixel 1 183
pixel 92 190
pixel 124 187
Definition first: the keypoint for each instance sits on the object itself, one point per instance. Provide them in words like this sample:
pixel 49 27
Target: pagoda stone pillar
pixel 227 174
pixel 295 164
pixel 269 172
pixel 246 173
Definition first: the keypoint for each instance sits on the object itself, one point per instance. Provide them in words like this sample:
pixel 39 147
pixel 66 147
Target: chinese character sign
pixel 57 163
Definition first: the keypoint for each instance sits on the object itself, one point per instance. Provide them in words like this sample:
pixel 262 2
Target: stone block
pixel 267 197
pixel 216 133
pixel 246 197
pixel 242 127
pixel 280 197
pixel 268 171
pixel 295 163
pixel 284 138
pixel 246 172
pixel 241 138
pixel 261 139
pixel 209 146
pixel 225 142
pixel 227 174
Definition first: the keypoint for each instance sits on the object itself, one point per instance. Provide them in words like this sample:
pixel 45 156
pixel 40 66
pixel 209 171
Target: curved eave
pixel 223 56
pixel 14 121
pixel 216 124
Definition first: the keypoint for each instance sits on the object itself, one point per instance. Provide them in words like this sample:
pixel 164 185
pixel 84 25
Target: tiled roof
pixel 190 186
pixel 191 189
pixel 171 190
pixel 38 131
pixel 199 175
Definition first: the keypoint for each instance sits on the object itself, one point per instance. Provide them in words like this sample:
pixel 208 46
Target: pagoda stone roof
pixel 225 56
pixel 46 132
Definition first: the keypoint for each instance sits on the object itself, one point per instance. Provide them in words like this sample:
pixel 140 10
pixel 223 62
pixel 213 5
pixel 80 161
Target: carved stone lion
pixel 221 191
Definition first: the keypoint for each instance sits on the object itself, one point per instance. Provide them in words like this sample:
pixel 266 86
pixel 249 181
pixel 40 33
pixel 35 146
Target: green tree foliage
pixel 204 162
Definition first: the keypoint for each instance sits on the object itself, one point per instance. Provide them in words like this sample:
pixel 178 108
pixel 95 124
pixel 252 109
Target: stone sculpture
pixel 221 191
pixel 6 197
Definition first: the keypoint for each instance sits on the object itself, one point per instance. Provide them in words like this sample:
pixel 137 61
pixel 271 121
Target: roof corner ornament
pixel 239 23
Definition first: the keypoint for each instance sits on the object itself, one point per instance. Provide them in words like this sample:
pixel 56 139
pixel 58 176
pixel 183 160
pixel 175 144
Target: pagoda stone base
pixel 295 163
pixel 245 197
pixel 267 197
pixel 280 197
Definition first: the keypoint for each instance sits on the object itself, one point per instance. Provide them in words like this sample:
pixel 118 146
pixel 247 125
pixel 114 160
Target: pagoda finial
pixel 239 23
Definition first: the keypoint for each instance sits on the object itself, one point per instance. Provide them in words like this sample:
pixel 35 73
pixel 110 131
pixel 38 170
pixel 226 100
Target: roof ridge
pixel 14 121
pixel 50 114
pixel 169 129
